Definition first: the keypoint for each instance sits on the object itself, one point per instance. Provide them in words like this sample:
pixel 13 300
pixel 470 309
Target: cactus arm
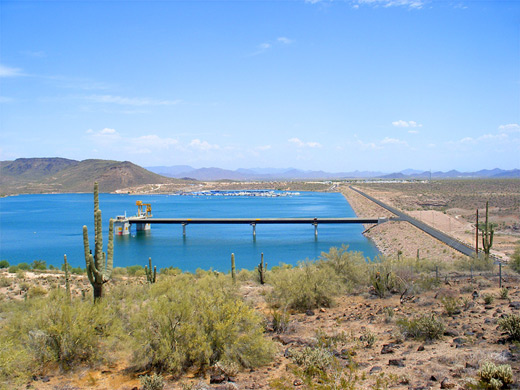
pixel 85 244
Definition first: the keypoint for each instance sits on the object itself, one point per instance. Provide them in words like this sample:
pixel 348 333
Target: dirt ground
pixel 388 361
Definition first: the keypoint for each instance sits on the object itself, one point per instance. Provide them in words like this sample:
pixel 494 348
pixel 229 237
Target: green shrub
pixel 350 267
pixel 515 260
pixel 313 360
pixel 488 299
pixel 119 271
pixel 153 382
pixel 133 269
pixel 53 329
pixel 476 264
pixel 495 377
pixel 425 327
pixel 384 280
pixel 368 339
pixel 451 305
pixel 190 322
pixel 13 269
pixel 5 282
pixel 307 286
pixel 4 264
pixel 24 266
pixel 36 292
pixel 39 265
pixel 511 325
pixel 504 293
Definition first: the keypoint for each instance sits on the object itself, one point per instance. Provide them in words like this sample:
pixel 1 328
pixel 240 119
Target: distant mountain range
pixel 206 174
pixel 47 175
pixel 61 175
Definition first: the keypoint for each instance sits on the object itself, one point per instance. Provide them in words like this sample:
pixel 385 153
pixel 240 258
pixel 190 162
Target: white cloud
pixel 415 4
pixel 284 40
pixel 203 145
pixel 148 143
pixel 510 128
pixel 299 143
pixel 6 71
pixel 393 141
pixel 264 46
pixel 131 101
pixel 413 131
pixel 263 147
pixel 401 123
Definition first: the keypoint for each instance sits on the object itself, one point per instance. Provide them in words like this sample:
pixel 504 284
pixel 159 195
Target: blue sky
pixel 334 85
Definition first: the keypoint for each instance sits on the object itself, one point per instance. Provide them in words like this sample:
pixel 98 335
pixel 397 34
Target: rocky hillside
pixel 47 175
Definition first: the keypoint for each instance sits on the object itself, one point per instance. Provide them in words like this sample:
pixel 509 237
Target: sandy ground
pixel 393 237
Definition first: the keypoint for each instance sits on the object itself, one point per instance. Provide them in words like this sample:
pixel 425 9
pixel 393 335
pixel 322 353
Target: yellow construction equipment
pixel 141 212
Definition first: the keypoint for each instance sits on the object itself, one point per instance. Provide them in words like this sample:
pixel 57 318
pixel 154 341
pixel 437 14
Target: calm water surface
pixel 44 227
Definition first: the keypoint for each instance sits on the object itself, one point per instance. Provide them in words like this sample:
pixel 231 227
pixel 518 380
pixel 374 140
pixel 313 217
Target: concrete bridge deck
pixel 250 221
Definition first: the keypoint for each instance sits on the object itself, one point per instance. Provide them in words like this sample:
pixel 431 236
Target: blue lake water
pixel 44 227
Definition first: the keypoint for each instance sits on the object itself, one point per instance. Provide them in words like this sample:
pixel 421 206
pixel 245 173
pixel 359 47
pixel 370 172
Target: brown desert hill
pixel 47 175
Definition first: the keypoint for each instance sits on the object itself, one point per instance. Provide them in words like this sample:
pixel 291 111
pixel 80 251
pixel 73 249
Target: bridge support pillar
pixel 315 229
pixel 184 229
pixel 254 229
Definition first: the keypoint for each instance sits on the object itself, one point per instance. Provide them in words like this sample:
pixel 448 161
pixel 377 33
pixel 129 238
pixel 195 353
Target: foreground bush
pixel 495 377
pixel 307 286
pixel 196 322
pixel 511 325
pixel 425 327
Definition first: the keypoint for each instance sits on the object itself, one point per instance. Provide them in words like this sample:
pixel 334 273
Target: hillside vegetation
pixel 47 175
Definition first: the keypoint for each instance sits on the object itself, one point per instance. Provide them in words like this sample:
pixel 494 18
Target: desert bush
pixel 119 271
pixel 307 286
pixel 5 282
pixel 515 260
pixel 24 266
pixel 495 377
pixel 151 382
pixel 480 263
pixel 350 267
pixel 12 269
pixel 39 265
pixel 131 270
pixel 451 305
pixel 16 364
pixel 511 325
pixel 313 360
pixel 368 339
pixel 170 271
pixel 488 299
pixel 139 273
pixel 190 322
pixel 425 327
pixel 53 329
pixel 383 279
pixel 36 291
pixel 281 319
pixel 504 293
pixel 4 264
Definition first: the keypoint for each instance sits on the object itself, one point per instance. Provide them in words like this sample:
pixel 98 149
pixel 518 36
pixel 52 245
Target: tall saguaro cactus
pixel 233 271
pixel 487 234
pixel 151 276
pixel 99 265
pixel 261 269
pixel 67 282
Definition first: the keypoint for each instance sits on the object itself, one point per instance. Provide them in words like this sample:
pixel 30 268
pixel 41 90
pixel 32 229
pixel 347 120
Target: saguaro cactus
pixel 233 272
pixel 261 269
pixel 99 265
pixel 151 277
pixel 487 234
pixel 67 282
